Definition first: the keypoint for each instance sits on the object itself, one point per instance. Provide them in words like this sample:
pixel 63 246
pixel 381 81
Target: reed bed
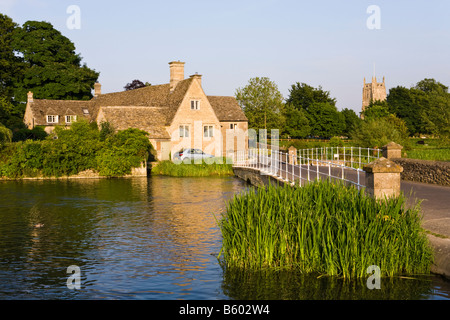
pixel 324 228
pixel 168 168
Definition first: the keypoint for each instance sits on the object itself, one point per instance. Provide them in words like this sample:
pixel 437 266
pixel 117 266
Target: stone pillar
pixel 292 151
pixel 383 178
pixel 392 151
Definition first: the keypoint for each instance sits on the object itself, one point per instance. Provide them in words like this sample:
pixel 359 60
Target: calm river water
pixel 147 238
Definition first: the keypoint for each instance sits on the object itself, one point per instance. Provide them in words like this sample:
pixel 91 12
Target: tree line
pixel 312 112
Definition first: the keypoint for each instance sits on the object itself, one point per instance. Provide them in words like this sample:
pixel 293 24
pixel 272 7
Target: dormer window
pixel 70 119
pixel 195 104
pixel 52 119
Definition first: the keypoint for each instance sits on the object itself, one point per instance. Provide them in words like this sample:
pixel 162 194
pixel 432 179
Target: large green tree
pixel 302 95
pixel 424 107
pixel 325 120
pixel 436 117
pixel 10 64
pixel 351 121
pixel 296 123
pixel 262 103
pixel 407 104
pixel 52 68
pixel 376 109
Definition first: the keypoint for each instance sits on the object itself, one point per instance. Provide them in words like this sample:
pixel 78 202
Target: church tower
pixel 373 91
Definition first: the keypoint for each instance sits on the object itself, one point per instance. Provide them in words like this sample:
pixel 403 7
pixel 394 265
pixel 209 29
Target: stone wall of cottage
pixel 196 120
pixel 234 136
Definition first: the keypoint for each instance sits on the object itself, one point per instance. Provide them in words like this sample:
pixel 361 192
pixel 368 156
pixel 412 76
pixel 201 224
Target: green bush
pixel 123 151
pixel 37 133
pixel 5 135
pixel 69 151
pixel 336 142
pixel 378 132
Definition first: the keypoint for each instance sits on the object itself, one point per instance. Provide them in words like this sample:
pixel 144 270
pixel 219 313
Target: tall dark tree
pixel 302 96
pixel 351 121
pixel 10 64
pixel 422 107
pixel 135 84
pixel 52 68
pixel 407 104
pixel 436 115
pixel 325 120
pixel 296 123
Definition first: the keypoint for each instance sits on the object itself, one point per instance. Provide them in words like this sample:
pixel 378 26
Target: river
pixel 147 238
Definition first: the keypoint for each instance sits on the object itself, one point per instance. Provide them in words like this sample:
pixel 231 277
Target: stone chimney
pixel 198 77
pixel 97 89
pixel 30 96
pixel 176 73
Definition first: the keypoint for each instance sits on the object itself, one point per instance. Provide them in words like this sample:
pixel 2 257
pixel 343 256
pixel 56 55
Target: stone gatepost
pixel 383 178
pixel 392 151
pixel 292 151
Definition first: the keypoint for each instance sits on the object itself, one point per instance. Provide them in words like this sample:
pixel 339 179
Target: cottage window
pixel 184 131
pixel 233 126
pixel 195 104
pixel 70 119
pixel 85 111
pixel 52 119
pixel 208 131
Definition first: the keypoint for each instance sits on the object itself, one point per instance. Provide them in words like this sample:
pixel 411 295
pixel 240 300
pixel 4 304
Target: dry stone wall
pixel 426 171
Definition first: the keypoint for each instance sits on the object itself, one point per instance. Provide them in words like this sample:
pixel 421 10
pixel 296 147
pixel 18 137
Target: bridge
pixel 298 167
pixel 380 177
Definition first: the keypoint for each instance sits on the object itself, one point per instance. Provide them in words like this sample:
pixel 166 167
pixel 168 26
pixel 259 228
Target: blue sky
pixel 321 42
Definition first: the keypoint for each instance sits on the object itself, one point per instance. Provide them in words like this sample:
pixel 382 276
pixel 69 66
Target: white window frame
pixel 70 119
pixel 208 131
pixel 195 104
pixel 183 131
pixel 54 119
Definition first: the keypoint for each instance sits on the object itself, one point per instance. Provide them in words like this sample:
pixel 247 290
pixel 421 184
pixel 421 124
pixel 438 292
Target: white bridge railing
pixel 299 167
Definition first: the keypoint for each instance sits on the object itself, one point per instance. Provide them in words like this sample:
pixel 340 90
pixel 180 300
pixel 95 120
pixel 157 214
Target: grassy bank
pixel 431 149
pixel 168 168
pixel 324 228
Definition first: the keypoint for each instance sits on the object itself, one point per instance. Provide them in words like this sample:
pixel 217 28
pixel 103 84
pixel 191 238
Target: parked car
pixel 191 154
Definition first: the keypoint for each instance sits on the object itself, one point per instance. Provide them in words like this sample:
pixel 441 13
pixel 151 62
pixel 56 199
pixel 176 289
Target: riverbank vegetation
pixel 67 152
pixel 323 228
pixel 213 167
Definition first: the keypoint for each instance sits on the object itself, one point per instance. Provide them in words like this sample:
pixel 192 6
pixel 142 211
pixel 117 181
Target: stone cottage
pixel 176 115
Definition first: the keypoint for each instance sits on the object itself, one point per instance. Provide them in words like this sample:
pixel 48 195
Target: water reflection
pixel 288 285
pixel 132 238
pixel 142 238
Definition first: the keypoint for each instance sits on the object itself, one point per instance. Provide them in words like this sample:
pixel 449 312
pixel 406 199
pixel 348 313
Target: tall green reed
pixel 326 228
pixel 168 168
